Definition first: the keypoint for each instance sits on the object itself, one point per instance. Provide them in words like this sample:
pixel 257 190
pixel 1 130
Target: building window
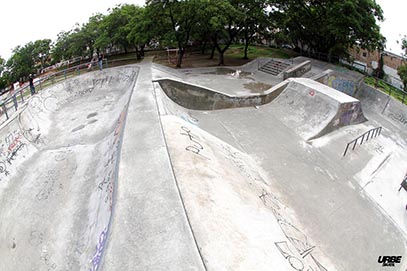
pixel 364 54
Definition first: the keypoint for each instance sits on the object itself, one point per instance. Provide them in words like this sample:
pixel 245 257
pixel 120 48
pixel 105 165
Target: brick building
pixel 368 61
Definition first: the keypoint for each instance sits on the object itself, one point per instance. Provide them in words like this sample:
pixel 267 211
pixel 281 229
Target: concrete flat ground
pixel 106 172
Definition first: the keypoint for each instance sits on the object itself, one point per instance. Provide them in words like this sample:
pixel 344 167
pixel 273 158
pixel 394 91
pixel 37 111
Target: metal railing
pixel 365 137
pixel 52 78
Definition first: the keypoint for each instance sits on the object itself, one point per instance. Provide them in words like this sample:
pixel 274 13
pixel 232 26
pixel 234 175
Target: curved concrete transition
pixel 311 108
pixel 140 168
pixel 266 186
pixel 58 168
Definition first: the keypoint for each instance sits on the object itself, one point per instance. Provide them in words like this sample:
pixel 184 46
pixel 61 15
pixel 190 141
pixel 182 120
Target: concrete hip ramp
pixel 313 109
pixel 58 168
pixel 310 108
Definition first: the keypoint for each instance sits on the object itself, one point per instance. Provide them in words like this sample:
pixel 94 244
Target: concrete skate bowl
pixel 201 98
pixel 377 102
pixel 58 171
pixel 310 108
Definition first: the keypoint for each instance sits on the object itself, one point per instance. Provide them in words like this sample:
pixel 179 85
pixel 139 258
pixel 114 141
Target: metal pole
pixel 346 149
pixel 5 109
pixel 21 94
pixel 15 101
pixel 354 145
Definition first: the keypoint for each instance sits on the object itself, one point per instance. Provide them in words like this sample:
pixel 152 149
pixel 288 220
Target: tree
pixel 3 74
pixel 60 48
pixel 178 17
pixel 22 62
pixel 114 28
pixel 42 51
pixel 81 40
pixel 331 26
pixel 142 29
pixel 255 20
pixel 226 21
pixel 402 69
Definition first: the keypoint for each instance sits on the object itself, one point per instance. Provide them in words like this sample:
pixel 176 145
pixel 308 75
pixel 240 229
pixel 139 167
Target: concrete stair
pixel 274 67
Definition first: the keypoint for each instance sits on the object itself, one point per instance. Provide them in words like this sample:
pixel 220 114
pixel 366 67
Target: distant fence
pixel 321 56
pixel 364 137
pixel 18 95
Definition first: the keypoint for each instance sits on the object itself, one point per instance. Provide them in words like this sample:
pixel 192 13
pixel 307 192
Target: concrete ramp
pixel 58 171
pixel 313 109
pixel 202 98
pixel 239 223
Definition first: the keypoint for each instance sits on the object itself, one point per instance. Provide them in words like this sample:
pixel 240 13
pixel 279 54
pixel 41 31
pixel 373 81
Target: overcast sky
pixel 22 21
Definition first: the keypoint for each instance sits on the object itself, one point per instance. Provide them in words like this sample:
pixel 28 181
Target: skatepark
pixel 145 167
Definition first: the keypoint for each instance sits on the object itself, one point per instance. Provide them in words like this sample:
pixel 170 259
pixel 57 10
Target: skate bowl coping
pixel 201 98
pixel 299 70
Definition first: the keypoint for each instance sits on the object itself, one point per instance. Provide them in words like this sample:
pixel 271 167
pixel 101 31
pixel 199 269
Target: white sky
pixel 22 21
pixel 394 26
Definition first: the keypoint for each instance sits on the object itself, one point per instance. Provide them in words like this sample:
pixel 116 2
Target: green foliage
pixel 385 87
pixel 60 47
pixel 331 26
pixel 42 51
pixel 3 74
pixel 176 20
pixel 236 51
pixel 22 62
pixel 402 72
pixel 142 29
pixel 114 28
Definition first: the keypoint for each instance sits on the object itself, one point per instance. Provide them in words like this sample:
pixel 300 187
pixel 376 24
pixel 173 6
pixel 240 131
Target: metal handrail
pixel 372 133
pixel 40 82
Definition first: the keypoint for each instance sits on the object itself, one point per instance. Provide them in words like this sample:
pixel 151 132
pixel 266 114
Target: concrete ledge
pixel 299 70
pixel 202 98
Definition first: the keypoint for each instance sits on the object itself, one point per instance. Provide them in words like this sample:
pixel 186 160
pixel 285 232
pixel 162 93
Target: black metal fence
pixel 12 102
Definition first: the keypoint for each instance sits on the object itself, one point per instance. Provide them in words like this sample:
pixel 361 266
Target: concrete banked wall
pixel 58 172
pixel 310 108
pixel 202 98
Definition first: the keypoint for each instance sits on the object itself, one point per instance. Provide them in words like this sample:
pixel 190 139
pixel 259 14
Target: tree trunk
pixel 204 48
pixel 138 53
pixel 142 50
pixel 246 47
pixel 179 58
pixel 221 58
pixel 212 52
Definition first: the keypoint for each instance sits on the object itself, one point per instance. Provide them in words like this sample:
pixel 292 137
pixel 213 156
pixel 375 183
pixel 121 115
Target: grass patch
pixel 237 51
pixel 386 88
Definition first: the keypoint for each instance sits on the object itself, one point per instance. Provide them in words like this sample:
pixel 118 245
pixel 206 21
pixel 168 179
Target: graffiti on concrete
pixel 195 147
pixel 99 250
pixel 296 249
pixel 345 86
pixel 10 149
pixel 399 117
pixel 36 238
pixel 348 113
pixel 105 186
pixel 48 185
pixel 46 259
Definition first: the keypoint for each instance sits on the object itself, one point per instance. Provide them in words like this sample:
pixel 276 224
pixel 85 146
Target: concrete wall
pixel 200 98
pixel 60 160
pixel 299 70
pixel 381 103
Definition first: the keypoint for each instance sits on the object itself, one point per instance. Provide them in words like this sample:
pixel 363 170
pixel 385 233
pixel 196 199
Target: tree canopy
pixel 326 26
pixel 402 70
pixel 330 26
